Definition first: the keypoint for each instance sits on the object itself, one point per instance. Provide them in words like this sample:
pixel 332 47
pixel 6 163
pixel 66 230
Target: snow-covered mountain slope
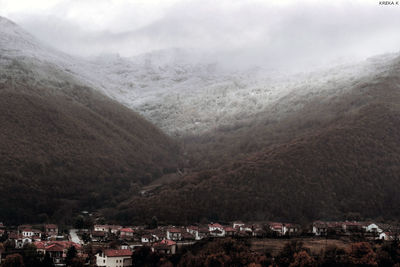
pixel 176 93
pixel 187 99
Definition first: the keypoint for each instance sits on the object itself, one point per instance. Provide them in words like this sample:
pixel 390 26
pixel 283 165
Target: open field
pixel 274 246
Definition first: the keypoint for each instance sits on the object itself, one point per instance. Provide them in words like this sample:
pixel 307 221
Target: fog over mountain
pixel 240 34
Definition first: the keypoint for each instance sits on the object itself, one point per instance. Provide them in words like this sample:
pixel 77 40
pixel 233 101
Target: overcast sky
pixel 244 32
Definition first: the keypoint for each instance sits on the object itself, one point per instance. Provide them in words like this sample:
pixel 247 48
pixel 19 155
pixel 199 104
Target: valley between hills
pixel 153 135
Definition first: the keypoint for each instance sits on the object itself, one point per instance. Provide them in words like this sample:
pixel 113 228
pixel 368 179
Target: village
pixel 107 245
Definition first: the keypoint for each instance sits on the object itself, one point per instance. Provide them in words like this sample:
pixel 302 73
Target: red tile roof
pixel 174 230
pixel 118 253
pixel 165 244
pixel 229 229
pixel 276 225
pixel 127 230
pixel 56 245
pixel 215 225
pixel 40 245
pixel 50 226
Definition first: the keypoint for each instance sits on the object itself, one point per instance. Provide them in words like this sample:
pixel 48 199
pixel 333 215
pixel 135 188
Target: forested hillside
pixel 348 163
pixel 251 146
pixel 66 149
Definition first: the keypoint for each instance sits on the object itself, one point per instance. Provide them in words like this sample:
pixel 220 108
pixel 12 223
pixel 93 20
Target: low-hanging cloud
pixel 238 33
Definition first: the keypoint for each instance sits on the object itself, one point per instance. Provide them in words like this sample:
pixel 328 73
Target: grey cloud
pixel 238 33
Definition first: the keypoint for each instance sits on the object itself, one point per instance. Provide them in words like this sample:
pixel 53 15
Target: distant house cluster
pixel 166 239
pixel 46 238
pixel 115 244
pixel 373 230
pixel 25 234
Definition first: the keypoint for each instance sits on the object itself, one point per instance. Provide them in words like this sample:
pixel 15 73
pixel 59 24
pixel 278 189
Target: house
pixel 114 258
pixel 372 228
pixel 114 229
pixel 352 226
pixel 319 228
pixel 31 233
pixel 101 228
pixel 202 233
pixel 174 234
pixel 164 247
pixel 107 228
pixel 57 250
pixel 277 228
pixel 291 229
pixel 159 234
pixel 126 233
pixel 246 228
pixel 388 236
pixel 214 226
pixel 229 231
pixel 37 234
pixel 51 230
pixel 27 232
pixel 13 237
pixel 26 236
pixel 23 227
pixel 198 232
pixel 237 224
pixel 148 238
pixel 216 230
pixel 124 245
pixel 98 236
pixel 192 229
pixel 217 233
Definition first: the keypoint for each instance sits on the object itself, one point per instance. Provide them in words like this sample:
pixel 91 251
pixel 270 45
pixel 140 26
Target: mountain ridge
pixel 67 147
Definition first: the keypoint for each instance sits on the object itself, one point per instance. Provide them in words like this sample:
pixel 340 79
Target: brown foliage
pixel 72 149
pixel 226 252
pixel 351 166
pixel 13 260
pixel 302 259
pixel 361 254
